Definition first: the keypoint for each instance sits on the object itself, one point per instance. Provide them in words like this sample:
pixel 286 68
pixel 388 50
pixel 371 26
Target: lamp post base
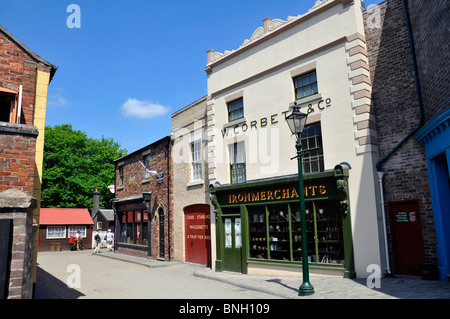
pixel 306 289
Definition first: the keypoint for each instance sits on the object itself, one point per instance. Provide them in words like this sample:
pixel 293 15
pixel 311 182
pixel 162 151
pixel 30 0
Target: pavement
pixel 325 287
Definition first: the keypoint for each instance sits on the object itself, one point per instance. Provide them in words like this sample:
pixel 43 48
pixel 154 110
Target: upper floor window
pixel 120 176
pixel 305 85
pixel 236 110
pixel 147 166
pixel 311 140
pixel 8 109
pixel 238 169
pixel 196 160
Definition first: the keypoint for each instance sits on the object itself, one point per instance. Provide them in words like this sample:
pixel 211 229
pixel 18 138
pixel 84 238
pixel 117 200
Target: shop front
pixel 133 225
pixel 258 228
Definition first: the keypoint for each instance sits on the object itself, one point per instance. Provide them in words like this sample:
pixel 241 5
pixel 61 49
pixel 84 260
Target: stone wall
pixel 18 207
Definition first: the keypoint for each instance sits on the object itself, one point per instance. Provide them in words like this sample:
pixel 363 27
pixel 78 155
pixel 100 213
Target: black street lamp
pixel 296 121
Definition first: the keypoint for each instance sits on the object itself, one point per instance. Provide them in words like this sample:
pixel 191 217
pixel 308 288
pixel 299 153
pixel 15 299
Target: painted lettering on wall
pixel 273 118
pixel 277 194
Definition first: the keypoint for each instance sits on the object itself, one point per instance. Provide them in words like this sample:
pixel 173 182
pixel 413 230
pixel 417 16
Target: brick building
pixel 191 200
pixel 24 80
pixel 408 56
pixel 143 203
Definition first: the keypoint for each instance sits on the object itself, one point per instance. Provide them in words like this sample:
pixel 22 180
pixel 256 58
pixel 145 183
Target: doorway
pixel 233 243
pixel 197 223
pixel 407 239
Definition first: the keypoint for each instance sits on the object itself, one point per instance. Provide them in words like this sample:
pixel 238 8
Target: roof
pixel 65 216
pixel 107 213
pixel 53 68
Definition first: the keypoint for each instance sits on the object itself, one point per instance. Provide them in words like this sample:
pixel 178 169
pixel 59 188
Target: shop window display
pixel 275 232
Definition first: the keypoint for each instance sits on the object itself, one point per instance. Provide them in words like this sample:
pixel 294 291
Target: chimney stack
pixel 96 205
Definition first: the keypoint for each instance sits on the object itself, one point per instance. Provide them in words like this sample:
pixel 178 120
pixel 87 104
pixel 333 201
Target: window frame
pixel 73 229
pixel 120 168
pixel 146 159
pixel 231 104
pixel 13 95
pixel 312 143
pixel 236 165
pixel 196 160
pixel 311 84
pixel 58 232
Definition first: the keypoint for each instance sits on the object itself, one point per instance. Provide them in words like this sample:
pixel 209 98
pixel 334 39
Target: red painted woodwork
pixel 407 239
pixel 198 234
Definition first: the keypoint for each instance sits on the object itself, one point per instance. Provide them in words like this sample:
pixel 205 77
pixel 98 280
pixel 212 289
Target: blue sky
pixel 131 64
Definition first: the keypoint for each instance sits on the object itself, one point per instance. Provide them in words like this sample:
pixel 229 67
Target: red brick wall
pixel 18 68
pixel 17 153
pixel 396 106
pixel 162 195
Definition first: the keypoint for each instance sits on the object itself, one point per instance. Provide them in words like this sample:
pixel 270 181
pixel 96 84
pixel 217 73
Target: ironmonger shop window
pixel 311 140
pixel 236 109
pixel 305 85
pixel 275 232
pixel 237 166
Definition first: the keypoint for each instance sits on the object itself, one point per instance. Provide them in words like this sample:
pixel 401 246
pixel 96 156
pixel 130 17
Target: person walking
pixel 78 241
pixel 98 241
pixel 109 239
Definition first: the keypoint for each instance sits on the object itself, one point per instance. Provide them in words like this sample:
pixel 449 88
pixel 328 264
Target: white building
pixel 319 61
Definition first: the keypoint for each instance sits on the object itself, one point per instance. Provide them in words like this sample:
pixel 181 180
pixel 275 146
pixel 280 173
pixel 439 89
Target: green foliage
pixel 74 166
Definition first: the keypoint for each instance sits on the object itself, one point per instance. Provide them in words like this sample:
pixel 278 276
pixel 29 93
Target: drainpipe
pixel 380 182
pixel 422 122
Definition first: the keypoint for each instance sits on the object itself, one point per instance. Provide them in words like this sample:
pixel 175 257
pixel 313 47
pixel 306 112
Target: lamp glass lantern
pixel 296 122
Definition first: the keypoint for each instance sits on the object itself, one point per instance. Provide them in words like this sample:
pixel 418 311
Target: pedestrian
pixel 78 240
pixel 109 240
pixel 98 241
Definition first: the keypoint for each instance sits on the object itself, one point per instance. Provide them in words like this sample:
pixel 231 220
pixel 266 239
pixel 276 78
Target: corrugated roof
pixel 65 216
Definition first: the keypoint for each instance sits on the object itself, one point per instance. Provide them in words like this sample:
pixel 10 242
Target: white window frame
pixel 56 232
pixel 72 231
pixel 196 160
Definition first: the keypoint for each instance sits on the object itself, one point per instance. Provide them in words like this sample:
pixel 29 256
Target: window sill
pixel 307 99
pixel 234 122
pixel 195 183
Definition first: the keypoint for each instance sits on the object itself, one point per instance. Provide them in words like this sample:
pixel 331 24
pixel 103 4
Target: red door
pixel 198 234
pixel 407 239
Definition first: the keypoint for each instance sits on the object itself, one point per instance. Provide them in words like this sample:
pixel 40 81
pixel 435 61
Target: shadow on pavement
pixel 50 287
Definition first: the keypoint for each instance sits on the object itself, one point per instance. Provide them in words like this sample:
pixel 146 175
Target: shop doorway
pixel 197 224
pixel 232 259
pixel 407 239
pixel 161 233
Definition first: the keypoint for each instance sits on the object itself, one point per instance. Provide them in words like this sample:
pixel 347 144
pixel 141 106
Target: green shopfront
pixel 258 226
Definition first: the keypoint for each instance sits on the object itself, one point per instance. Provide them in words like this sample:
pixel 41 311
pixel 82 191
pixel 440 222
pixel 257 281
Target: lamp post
pixel 296 121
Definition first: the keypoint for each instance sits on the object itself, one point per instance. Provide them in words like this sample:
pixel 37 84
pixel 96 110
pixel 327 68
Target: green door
pixel 233 244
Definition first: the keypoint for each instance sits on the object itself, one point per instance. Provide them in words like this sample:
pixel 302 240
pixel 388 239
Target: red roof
pixel 65 216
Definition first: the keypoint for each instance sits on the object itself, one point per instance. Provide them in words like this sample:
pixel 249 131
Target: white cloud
pixel 57 98
pixel 144 109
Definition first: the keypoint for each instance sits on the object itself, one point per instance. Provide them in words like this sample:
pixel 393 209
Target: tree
pixel 75 165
